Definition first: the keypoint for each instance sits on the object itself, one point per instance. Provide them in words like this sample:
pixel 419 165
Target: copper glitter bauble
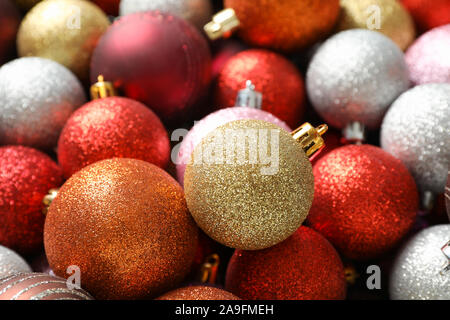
pixel 286 25
pixel 429 14
pixel 365 200
pixel 125 223
pixel 9 24
pixel 303 267
pixel 26 175
pixel 66 31
pixel 198 293
pixel 386 16
pixel 273 75
pixel 39 286
pixel 252 199
pixel 112 127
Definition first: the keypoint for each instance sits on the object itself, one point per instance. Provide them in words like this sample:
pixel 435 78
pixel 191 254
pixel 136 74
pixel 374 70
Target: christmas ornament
pixel 112 127
pixel 429 14
pixel 365 200
pixel 355 76
pixel 214 120
pixel 416 130
pixel 249 183
pixel 25 177
pixel 11 263
pixel 66 31
pixel 158 59
pixel 224 51
pixel 303 267
pixel 197 12
pixel 39 286
pixel 26 5
pixel 110 7
pixel 287 25
pixel 427 58
pixel 386 16
pixel 9 23
pixel 272 74
pixel 131 214
pixel 198 293
pixel 37 97
pixel 419 271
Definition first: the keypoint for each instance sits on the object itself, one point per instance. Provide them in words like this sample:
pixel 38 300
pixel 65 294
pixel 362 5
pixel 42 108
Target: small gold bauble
pixel 386 16
pixel 65 31
pixel 249 184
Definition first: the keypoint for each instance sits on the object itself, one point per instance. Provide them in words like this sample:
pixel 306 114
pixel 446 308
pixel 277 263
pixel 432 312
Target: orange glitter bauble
pixel 198 293
pixel 125 224
pixel 286 25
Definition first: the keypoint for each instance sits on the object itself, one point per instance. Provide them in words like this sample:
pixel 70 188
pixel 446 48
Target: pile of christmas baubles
pixel 179 149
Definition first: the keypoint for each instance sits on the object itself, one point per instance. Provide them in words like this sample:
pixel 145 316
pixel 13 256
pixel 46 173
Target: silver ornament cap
pixel 11 263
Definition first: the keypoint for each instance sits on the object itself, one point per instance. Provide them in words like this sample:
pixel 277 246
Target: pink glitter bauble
pixel 211 122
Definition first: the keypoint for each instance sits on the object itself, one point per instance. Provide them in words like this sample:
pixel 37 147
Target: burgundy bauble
pixel 113 127
pixel 9 24
pixel 303 267
pixel 26 176
pixel 156 58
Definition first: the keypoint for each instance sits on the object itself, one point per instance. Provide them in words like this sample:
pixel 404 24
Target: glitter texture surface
pixel 355 76
pixel 286 25
pixel 428 58
pixel 211 122
pixel 198 12
pixel 395 21
pixel 112 127
pixel 365 200
pixel 198 293
pixel 416 274
pixel 125 223
pixel 26 175
pixel 11 263
pixel 62 37
pixel 273 75
pixel 38 286
pixel 416 130
pixel 37 97
pixel 303 267
pixel 237 205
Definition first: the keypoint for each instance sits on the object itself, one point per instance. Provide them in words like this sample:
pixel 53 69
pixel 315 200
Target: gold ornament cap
pixel 102 89
pixel 48 199
pixel 222 24
pixel 310 138
pixel 208 272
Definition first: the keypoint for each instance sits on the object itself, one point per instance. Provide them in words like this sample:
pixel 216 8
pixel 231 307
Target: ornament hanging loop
pixel 222 24
pixel 208 272
pixel 102 89
pixel 48 199
pixel 446 251
pixel 310 138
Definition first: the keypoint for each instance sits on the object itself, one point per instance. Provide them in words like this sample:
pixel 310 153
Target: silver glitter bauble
pixel 197 12
pixel 11 263
pixel 37 96
pixel 416 129
pixel 354 77
pixel 418 272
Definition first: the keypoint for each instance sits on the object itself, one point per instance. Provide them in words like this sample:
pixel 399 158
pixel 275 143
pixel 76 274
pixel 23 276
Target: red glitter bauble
pixel 9 24
pixel 26 176
pixel 110 7
pixel 156 58
pixel 429 14
pixel 303 267
pixel 365 200
pixel 273 75
pixel 112 127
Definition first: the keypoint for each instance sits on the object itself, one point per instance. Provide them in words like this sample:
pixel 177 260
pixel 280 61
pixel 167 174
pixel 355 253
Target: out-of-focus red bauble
pixel 303 267
pixel 198 293
pixel 110 7
pixel 158 59
pixel 9 24
pixel 26 176
pixel 429 14
pixel 223 51
pixel 273 75
pixel 365 200
pixel 112 127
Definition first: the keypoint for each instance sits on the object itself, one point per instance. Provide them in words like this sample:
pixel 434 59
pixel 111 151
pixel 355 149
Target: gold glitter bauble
pixel 65 31
pixel 255 198
pixel 386 16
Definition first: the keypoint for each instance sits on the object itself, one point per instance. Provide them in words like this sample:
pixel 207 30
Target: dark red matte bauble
pixel 429 14
pixel 9 24
pixel 110 7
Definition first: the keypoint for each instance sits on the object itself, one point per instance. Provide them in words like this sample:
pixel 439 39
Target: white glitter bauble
pixel 416 130
pixel 417 271
pixel 354 77
pixel 197 12
pixel 11 263
pixel 37 96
